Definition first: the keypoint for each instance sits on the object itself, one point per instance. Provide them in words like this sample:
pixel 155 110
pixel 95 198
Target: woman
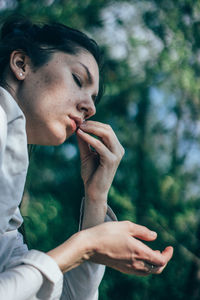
pixel 50 80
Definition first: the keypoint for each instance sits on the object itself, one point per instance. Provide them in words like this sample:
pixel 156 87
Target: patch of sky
pixel 162 108
pixel 161 120
pixel 192 160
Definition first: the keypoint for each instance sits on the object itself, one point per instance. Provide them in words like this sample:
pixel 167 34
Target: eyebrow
pixel 90 78
pixel 89 75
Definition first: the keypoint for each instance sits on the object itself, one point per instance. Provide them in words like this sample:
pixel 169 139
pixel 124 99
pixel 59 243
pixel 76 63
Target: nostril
pixel 87 108
pixel 84 109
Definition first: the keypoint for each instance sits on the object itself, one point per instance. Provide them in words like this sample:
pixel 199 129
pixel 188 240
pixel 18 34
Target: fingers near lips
pixel 105 133
pixel 83 146
pixel 98 145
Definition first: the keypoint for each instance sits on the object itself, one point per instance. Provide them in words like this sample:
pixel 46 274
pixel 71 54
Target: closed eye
pixel 77 80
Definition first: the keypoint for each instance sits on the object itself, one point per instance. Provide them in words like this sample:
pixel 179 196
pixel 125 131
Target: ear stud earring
pixel 20 74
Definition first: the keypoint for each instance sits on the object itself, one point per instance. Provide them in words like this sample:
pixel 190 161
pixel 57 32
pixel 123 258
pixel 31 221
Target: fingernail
pixel 79 130
pixel 83 124
pixel 153 233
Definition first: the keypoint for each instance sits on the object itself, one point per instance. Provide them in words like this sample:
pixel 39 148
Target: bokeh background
pixel 152 75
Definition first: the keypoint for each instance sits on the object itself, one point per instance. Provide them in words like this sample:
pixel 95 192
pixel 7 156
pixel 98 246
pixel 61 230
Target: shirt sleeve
pixel 82 283
pixel 110 215
pixel 30 275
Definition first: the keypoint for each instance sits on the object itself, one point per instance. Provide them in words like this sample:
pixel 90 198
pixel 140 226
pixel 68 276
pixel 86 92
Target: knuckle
pixel 122 151
pixel 108 127
pixel 121 154
pixel 113 160
pixel 163 262
pixel 128 224
pixel 134 264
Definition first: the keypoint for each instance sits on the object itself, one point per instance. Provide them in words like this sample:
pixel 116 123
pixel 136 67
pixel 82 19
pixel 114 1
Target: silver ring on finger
pixel 151 268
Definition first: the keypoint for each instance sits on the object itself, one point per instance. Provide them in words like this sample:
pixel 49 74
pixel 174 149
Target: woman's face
pixel 58 96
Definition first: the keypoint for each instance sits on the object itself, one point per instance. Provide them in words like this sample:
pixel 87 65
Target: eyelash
pixel 79 83
pixel 77 80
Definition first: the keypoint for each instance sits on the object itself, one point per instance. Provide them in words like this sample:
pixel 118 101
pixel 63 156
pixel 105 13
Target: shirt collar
pixel 9 105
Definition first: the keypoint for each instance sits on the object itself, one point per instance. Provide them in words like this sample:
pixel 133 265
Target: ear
pixel 19 64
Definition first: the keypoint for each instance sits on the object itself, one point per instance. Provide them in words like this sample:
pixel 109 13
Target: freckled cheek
pixel 71 100
pixel 76 97
pixel 49 81
pixel 55 96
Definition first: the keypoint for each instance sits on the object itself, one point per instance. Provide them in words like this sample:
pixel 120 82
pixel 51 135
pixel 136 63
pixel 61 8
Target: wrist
pixel 94 213
pixel 72 252
pixel 100 198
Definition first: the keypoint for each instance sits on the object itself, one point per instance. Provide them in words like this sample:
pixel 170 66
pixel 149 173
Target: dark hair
pixel 39 41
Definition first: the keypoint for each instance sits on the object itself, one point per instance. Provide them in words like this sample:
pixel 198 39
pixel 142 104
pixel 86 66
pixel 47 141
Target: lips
pixel 73 125
pixel 75 121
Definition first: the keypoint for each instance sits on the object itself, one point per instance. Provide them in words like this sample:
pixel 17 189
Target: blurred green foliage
pixel 152 73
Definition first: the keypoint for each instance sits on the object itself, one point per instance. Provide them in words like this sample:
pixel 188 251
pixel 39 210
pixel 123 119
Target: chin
pixel 52 136
pixel 57 140
pixel 55 135
pixel 53 140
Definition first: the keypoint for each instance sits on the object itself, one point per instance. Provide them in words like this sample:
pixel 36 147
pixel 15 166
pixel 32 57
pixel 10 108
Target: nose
pixel 87 108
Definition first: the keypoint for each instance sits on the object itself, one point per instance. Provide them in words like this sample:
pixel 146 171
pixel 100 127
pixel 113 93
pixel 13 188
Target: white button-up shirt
pixel 30 274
